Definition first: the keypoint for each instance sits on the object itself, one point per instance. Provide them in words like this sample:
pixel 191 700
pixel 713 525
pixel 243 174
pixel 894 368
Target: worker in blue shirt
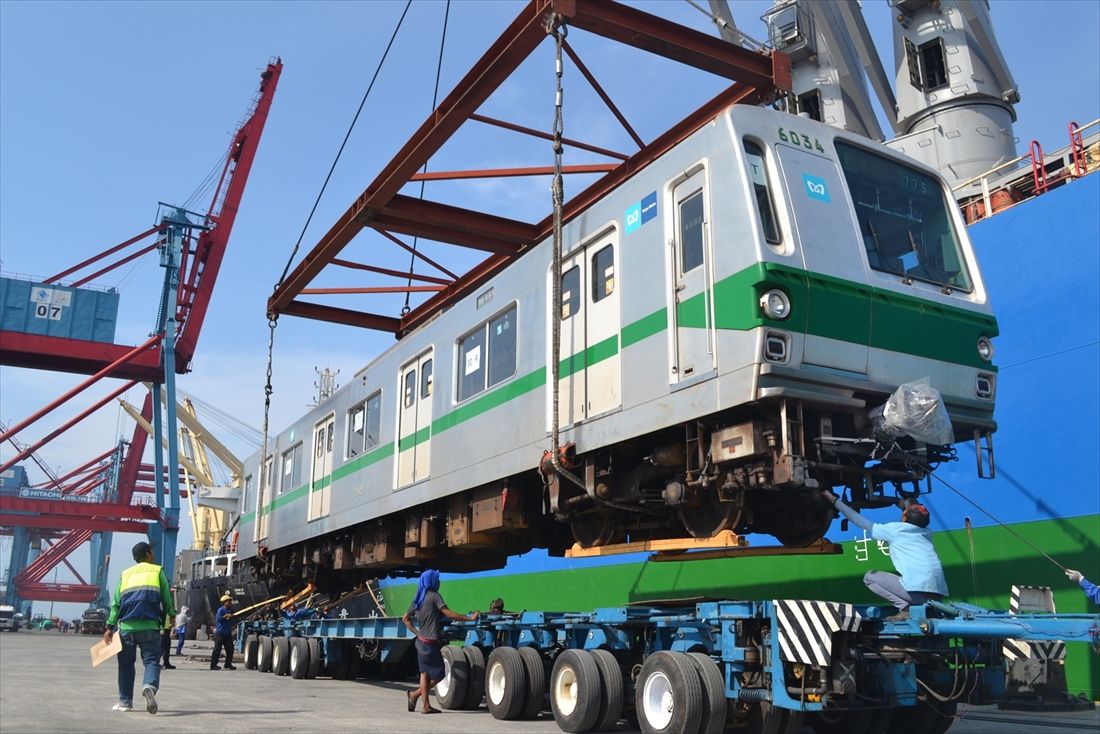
pixel 1092 591
pixel 223 634
pixel 912 553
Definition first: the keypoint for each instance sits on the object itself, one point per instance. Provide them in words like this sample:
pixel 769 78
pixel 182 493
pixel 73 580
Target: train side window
pixel 765 206
pixel 292 469
pixel 364 421
pixel 410 388
pixel 502 347
pixel 570 292
pixel 691 232
pixel 487 355
pixel 603 274
pixel 471 371
pixel 374 421
pixel 331 436
pixel 247 493
pixel 426 379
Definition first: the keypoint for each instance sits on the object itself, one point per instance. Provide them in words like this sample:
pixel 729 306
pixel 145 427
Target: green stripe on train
pixel 820 305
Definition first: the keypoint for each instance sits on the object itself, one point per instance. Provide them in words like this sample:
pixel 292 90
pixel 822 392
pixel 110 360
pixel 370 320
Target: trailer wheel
pixel 611 690
pixel 299 658
pixel 505 683
pixel 534 668
pixel 280 655
pixel 575 691
pixel 714 693
pixel 316 661
pixel 842 722
pixel 669 695
pixel 251 651
pixel 769 719
pixel 475 680
pixel 451 691
pixel 266 651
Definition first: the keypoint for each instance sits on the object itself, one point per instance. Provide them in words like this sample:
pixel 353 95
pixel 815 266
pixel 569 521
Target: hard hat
pixel 226 597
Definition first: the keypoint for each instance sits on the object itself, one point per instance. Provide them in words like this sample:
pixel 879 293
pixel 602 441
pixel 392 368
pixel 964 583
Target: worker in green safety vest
pixel 139 610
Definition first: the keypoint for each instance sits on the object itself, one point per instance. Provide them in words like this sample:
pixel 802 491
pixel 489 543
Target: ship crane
pixel 191 247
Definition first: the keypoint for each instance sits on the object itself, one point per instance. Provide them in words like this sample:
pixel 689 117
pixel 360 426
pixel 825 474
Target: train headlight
pixel 775 305
pixel 985 349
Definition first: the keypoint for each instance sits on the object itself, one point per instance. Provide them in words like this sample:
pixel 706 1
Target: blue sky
pixel 108 108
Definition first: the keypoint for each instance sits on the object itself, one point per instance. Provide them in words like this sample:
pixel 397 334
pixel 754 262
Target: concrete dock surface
pixel 47 684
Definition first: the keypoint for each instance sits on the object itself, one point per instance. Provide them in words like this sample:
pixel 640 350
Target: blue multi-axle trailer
pixel 752 666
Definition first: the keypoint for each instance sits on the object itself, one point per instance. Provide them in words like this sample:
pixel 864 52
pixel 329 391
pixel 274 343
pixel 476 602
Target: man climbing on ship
pixel 912 553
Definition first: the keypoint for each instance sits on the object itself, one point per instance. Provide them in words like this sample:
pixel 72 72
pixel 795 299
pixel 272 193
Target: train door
pixel 692 313
pixel 602 373
pixel 320 484
pixel 838 319
pixel 415 420
pixel 589 381
pixel 263 497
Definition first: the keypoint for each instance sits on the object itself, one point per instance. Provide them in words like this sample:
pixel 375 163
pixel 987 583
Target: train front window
pixel 691 232
pixel 754 156
pixel 904 219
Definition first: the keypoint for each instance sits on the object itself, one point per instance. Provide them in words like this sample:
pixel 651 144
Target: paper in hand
pixel 105 651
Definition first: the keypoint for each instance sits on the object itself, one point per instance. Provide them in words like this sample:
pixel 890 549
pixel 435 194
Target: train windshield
pixel 904 219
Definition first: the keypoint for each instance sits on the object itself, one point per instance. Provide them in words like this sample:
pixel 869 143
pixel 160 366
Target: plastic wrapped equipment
pixel 916 410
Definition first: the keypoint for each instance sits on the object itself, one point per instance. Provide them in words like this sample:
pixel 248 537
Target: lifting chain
pixel 272 322
pixel 557 28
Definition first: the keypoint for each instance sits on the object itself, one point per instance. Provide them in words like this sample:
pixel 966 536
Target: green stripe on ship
pixel 1001 562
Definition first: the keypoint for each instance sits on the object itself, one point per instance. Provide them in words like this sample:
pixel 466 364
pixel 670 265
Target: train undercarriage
pixel 754 469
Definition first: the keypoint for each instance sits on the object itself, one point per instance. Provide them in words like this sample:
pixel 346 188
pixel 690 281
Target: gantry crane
pixel 191 248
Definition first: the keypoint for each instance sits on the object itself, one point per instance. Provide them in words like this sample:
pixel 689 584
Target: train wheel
pixel 799 530
pixel 669 696
pixel 505 683
pixel 280 655
pixel 475 688
pixel 316 660
pixel 263 658
pixel 534 668
pixel 575 691
pixel 714 693
pixel 251 651
pixel 611 688
pixel 299 658
pixel 710 516
pixel 592 530
pixel 451 691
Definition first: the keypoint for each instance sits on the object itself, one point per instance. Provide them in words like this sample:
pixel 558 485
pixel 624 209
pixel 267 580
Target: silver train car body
pixel 730 315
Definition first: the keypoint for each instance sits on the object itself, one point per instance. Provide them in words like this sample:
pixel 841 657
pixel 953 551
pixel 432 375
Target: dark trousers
pixel 222 642
pixel 165 647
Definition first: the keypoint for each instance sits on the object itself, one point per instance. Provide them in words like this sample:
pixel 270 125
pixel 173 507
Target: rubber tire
pixel 714 693
pixel 316 660
pixel 505 683
pixel 251 651
pixel 611 690
pixel 299 658
pixel 263 658
pixel 768 719
pixel 534 668
pixel 280 655
pixel 575 682
pixel 456 682
pixel 675 673
pixel 475 681
pixel 337 664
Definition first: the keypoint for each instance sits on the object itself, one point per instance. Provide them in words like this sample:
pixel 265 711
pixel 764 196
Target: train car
pixel 732 319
